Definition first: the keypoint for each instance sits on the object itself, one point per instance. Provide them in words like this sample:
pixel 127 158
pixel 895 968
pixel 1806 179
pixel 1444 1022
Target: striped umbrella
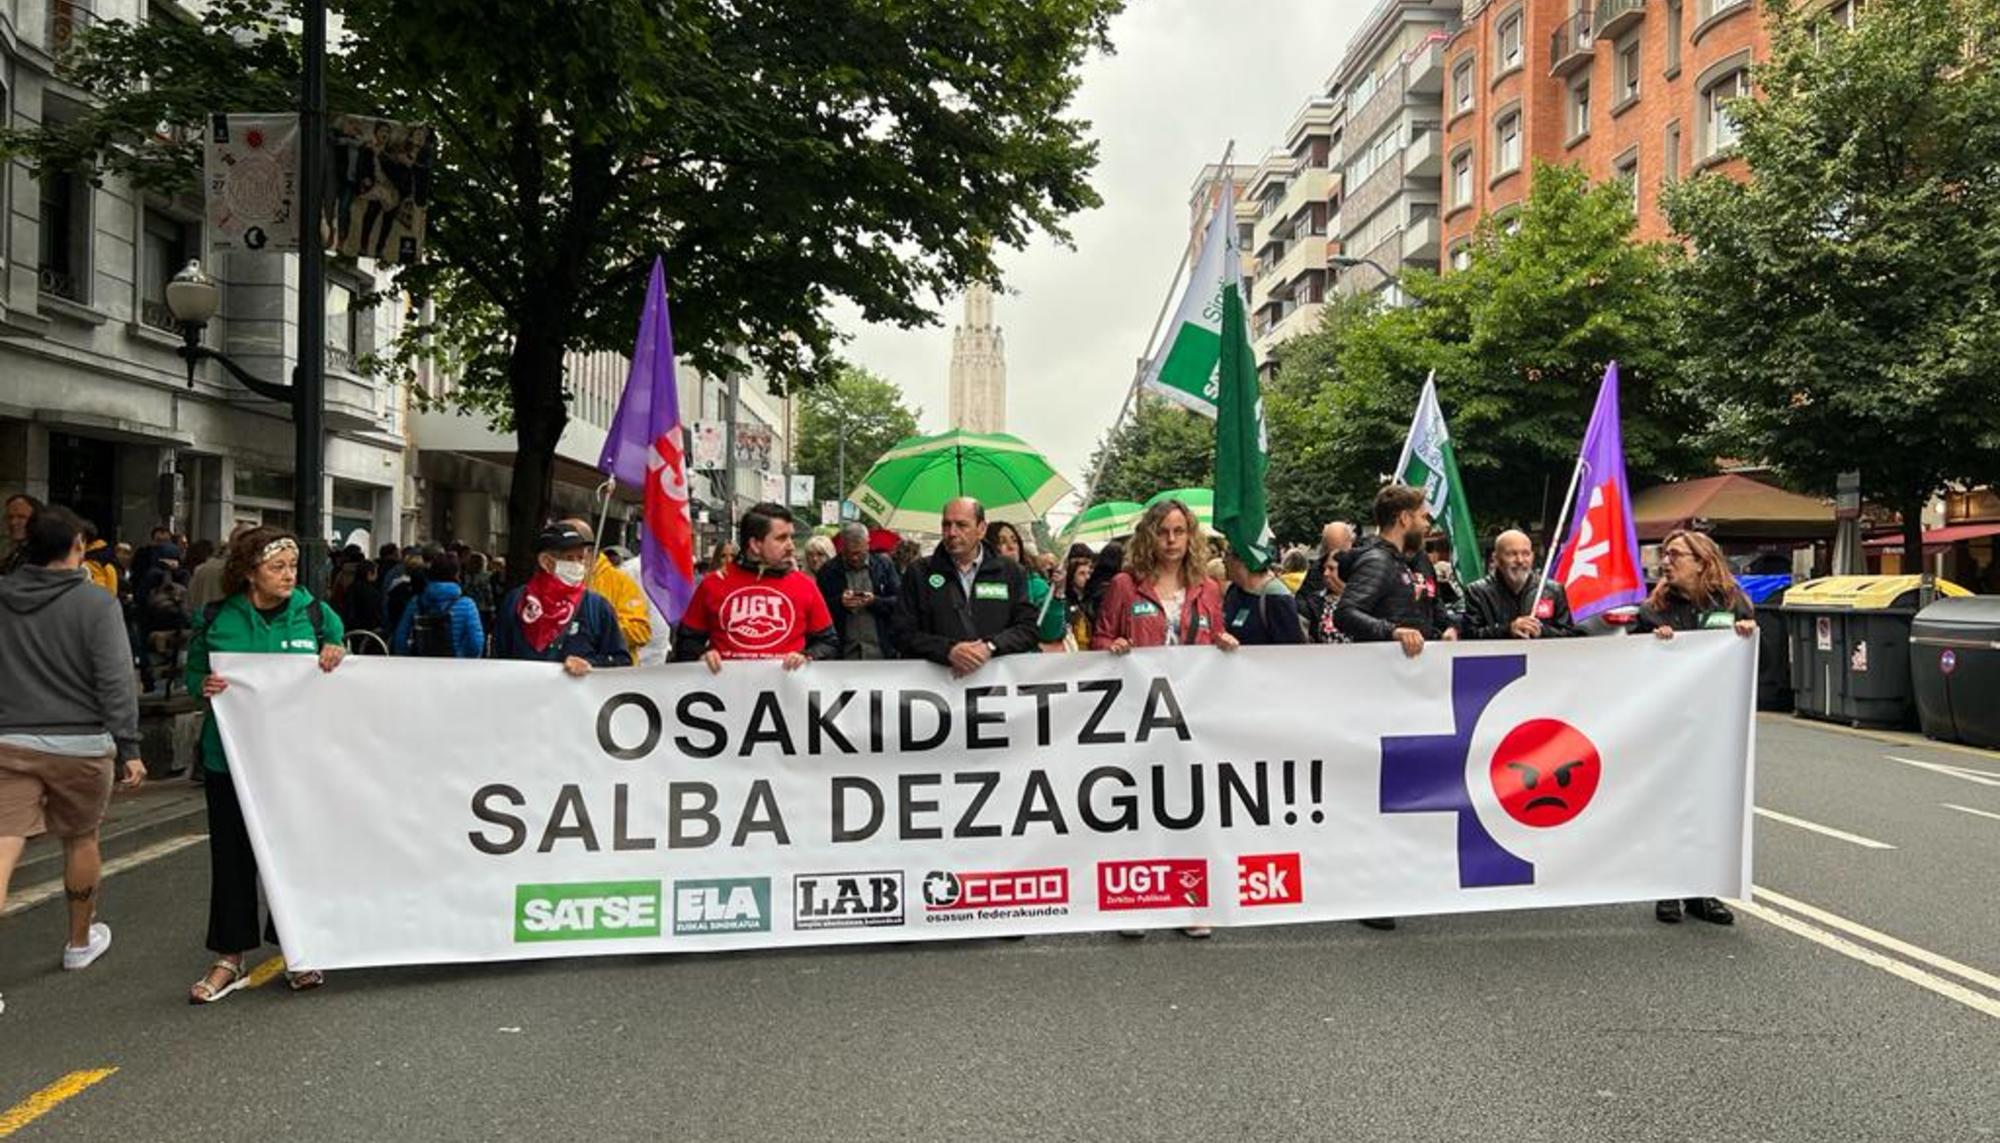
pixel 909 487
pixel 1110 520
pixel 1200 500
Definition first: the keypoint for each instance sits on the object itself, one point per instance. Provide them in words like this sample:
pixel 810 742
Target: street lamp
pixel 193 298
pixel 1349 262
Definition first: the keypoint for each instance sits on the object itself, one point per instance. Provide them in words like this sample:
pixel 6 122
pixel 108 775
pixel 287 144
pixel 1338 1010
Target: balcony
pixel 1302 318
pixel 1571 43
pixel 1424 74
pixel 1304 256
pixel 1420 242
pixel 59 283
pixel 1424 157
pixel 1614 16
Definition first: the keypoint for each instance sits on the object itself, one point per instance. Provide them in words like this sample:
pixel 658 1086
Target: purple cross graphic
pixel 1425 773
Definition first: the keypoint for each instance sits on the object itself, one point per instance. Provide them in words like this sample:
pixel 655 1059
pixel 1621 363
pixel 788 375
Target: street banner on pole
pixel 378 189
pixel 1430 462
pixel 1598 562
pixel 664 809
pixel 1242 454
pixel 1186 367
pixel 250 175
pixel 642 449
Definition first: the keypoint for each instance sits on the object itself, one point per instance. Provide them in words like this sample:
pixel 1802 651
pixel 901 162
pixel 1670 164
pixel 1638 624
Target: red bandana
pixel 547 606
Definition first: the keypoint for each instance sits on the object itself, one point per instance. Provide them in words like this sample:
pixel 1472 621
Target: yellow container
pixel 1863 592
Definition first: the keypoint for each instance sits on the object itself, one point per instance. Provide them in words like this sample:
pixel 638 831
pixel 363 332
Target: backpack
pixel 430 633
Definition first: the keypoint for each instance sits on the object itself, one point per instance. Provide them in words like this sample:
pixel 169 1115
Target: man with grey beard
pixel 1513 602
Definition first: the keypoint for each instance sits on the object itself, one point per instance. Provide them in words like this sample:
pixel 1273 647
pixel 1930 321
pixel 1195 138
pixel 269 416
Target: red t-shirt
pixel 748 616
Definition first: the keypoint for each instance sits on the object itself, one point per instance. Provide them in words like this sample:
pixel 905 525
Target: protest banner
pixel 404 814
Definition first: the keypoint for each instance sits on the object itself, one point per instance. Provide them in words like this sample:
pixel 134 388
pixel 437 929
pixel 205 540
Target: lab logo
pixel 1163 883
pixel 868 899
pixel 722 905
pixel 586 911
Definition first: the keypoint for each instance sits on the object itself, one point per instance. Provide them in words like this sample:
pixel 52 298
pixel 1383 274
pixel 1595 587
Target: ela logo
pixel 869 899
pixel 1269 879
pixel 586 911
pixel 722 905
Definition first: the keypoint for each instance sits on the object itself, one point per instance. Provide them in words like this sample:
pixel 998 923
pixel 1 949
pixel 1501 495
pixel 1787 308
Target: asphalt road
pixel 1586 1024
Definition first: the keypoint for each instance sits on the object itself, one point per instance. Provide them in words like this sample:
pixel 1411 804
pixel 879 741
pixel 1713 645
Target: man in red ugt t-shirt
pixel 760 607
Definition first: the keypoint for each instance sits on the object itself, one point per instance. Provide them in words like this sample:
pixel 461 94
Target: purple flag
pixel 1598 564
pixel 644 449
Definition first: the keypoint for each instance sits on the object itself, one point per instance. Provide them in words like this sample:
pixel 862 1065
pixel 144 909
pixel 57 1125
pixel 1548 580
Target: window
pixel 167 245
pixel 1670 170
pixel 1461 256
pixel 1712 8
pixel 1461 86
pixel 1842 14
pixel 1675 34
pixel 65 236
pixel 1579 110
pixel 1369 159
pixel 339 328
pixel 1628 72
pixel 1510 41
pixel 1626 170
pixel 1507 143
pixel 1461 178
pixel 1718 126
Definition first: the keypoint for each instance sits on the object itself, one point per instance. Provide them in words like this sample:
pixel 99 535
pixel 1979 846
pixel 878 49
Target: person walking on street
pixel 965 606
pixel 69 717
pixel 1007 543
pixel 760 606
pixel 441 623
pixel 860 590
pixel 265 611
pixel 1512 602
pixel 1391 596
pixel 555 617
pixel 1258 608
pixel 1695 593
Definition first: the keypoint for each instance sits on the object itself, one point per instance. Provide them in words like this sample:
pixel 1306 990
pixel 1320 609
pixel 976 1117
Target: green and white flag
pixel 1429 462
pixel 1242 450
pixel 1184 371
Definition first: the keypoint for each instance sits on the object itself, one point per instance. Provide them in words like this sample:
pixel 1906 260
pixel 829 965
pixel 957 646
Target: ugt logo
pixel 1544 773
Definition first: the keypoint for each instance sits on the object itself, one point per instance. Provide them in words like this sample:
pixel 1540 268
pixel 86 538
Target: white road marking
pixel 1949 989
pixel 36 894
pixel 1856 929
pixel 1843 835
pixel 1963 772
pixel 1969 810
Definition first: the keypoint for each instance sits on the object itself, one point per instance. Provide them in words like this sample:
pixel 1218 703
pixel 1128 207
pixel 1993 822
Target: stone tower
pixel 978 367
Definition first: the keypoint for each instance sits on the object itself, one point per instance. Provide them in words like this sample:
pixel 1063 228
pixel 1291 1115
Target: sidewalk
pixel 1907 739
pixel 160 809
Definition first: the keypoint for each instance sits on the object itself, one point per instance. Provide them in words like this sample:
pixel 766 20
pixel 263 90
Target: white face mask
pixel 571 572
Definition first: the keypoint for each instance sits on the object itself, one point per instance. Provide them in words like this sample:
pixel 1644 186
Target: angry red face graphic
pixel 1545 772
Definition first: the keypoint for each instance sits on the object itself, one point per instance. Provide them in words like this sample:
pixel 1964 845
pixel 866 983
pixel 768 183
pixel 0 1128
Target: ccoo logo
pixel 1544 773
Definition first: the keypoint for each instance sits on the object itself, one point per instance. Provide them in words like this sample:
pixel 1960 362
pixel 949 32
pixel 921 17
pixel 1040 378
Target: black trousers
pixel 232 873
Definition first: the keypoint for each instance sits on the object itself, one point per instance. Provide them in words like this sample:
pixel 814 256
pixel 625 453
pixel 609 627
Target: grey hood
pixel 32 588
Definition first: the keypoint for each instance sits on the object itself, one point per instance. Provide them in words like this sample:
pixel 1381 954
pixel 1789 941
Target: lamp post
pixel 1349 262
pixel 192 298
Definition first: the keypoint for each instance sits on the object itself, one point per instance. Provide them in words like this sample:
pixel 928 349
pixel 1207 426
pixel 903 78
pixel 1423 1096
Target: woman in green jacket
pixel 265 611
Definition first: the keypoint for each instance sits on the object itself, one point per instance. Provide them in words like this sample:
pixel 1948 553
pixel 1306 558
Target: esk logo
pixel 1269 879
pixel 1544 773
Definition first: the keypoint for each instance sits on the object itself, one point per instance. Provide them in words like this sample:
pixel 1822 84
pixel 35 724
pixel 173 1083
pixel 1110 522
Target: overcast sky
pixel 1189 76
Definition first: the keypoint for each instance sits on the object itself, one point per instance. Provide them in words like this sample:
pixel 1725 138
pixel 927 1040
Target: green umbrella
pixel 1110 520
pixel 907 489
pixel 1201 500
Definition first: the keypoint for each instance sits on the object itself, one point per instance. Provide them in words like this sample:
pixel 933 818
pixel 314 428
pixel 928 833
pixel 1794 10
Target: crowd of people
pixel 86 627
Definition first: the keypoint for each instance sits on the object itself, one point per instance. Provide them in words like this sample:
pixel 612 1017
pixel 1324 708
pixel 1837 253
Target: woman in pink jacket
pixel 1163 598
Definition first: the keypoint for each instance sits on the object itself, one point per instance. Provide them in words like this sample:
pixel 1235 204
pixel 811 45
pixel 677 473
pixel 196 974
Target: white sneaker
pixel 100 939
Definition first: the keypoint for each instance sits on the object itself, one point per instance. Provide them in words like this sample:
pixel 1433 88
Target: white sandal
pixel 205 993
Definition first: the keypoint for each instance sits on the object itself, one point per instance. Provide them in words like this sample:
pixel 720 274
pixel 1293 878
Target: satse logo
pixel 1544 773
pixel 586 911
pixel 1269 879
pixel 868 899
pixel 757 618
pixel 1164 883
pixel 722 905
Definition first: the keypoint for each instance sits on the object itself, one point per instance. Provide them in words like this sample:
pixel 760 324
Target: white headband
pixel 277 548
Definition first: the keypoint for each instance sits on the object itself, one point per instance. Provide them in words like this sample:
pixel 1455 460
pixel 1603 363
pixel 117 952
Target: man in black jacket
pixel 965 604
pixel 1513 602
pixel 1391 592
pixel 861 591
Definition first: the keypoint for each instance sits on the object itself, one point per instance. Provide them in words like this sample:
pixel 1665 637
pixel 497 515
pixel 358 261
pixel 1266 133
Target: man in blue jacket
pixel 555 617
pixel 442 621
pixel 860 590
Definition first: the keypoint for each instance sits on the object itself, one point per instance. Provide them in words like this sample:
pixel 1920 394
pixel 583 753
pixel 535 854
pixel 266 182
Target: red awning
pixel 1937 537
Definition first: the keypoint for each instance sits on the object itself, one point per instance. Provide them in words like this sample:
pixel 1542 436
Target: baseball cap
pixel 560 537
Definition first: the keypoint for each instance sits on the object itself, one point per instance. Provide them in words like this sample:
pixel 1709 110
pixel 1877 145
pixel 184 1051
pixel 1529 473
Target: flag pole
pixel 604 492
pixel 1556 537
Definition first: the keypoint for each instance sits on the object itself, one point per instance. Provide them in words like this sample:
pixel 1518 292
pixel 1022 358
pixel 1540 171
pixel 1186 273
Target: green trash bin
pixel 1850 642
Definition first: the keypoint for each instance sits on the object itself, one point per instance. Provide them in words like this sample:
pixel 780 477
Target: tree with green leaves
pixel 778 154
pixel 1160 446
pixel 1843 305
pixel 1519 340
pixel 845 426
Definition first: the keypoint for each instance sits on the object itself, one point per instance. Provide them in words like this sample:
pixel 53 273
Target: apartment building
pixel 96 408
pixel 1391 81
pixel 1635 90
pixel 1296 196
